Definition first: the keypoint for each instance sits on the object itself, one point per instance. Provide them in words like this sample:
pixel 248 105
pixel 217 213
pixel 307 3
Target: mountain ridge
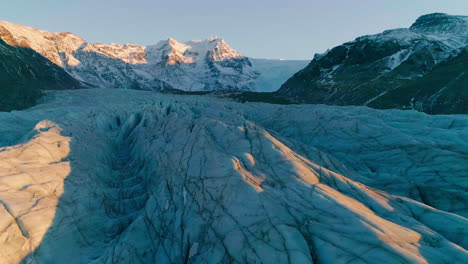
pixel 23 72
pixel 441 23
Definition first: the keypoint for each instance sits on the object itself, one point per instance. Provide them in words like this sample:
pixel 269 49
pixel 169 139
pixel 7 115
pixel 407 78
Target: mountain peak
pixel 173 51
pixel 209 42
pixel 48 44
pixel 215 39
pixel 441 23
pixel 172 41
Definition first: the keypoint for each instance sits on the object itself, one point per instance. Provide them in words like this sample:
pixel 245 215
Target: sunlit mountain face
pixel 186 153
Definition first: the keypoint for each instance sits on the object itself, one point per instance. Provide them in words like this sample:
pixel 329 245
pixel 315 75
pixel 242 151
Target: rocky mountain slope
pixel 125 176
pixel 207 65
pixel 23 72
pixel 423 67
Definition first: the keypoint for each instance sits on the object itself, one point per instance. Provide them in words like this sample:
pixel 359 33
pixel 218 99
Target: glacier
pixel 126 176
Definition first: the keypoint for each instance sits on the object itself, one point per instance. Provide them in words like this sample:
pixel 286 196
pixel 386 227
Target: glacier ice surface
pixel 124 176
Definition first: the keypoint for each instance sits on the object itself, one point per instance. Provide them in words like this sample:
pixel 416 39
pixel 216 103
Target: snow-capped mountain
pixel 205 65
pixel 125 176
pixel 422 67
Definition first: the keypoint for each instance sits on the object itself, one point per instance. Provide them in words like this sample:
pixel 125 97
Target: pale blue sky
pixel 292 29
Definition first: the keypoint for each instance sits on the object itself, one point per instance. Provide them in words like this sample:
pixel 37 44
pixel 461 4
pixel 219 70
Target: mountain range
pixel 205 65
pixel 423 67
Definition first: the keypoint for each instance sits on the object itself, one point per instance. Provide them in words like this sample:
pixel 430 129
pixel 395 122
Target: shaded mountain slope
pixel 24 73
pixel 444 90
pixel 391 69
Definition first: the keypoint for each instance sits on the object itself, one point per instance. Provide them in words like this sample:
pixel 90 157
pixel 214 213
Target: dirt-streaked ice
pixel 123 176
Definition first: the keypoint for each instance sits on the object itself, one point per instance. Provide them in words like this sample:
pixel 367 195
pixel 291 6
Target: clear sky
pixel 291 29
